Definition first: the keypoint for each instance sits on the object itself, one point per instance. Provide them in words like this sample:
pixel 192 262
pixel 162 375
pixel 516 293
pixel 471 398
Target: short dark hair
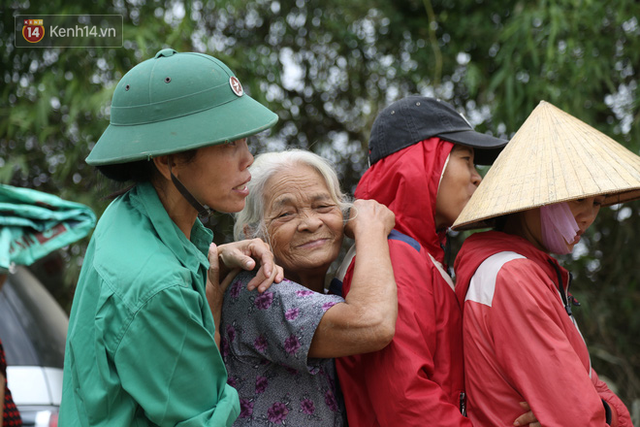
pixel 138 172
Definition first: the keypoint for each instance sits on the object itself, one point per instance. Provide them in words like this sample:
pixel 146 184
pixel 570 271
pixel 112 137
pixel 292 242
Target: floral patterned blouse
pixel 265 340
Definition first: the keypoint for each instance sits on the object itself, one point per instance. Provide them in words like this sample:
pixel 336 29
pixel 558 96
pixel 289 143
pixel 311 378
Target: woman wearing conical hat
pixel 521 342
pixel 141 346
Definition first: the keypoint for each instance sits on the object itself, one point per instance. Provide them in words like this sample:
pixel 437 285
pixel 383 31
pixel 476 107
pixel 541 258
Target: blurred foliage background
pixel 327 67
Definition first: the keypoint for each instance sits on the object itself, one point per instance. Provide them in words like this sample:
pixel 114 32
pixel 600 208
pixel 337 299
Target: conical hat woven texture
pixel 553 158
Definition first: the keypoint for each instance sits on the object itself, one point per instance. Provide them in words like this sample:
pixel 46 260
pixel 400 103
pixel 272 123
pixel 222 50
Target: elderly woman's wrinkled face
pixel 304 223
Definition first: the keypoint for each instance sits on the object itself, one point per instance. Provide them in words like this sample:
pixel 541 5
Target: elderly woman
pixel 521 342
pixel 279 346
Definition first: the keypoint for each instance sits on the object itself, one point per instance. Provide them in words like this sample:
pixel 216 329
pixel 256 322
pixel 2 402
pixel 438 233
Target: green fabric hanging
pixel 33 224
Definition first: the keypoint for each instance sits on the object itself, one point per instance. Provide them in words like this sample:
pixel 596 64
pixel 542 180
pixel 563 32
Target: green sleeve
pixel 169 363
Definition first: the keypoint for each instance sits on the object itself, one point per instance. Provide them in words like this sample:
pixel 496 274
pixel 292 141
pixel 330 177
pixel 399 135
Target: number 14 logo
pixel 33 30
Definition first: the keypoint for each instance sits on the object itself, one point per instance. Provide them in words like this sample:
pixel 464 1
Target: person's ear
pixel 247 231
pixel 162 163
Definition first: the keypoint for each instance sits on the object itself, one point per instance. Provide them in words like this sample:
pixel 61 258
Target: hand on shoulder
pixel 366 216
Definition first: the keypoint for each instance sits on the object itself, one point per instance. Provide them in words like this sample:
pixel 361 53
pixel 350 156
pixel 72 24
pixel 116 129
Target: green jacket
pixel 140 347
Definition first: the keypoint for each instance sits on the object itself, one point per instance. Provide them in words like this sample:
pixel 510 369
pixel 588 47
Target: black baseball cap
pixel 416 118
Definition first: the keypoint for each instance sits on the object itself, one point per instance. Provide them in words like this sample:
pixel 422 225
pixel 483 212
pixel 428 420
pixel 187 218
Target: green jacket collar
pixel 189 252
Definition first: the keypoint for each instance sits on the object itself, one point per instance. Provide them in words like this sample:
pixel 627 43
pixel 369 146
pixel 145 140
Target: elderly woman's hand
pixel 366 214
pixel 243 254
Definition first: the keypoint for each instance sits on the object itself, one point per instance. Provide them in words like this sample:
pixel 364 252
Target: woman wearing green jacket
pixel 141 347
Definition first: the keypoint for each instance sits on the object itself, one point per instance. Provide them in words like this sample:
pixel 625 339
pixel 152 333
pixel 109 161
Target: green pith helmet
pixel 177 102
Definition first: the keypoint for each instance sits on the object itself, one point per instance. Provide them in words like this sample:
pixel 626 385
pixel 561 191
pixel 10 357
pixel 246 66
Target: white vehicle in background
pixel 33 330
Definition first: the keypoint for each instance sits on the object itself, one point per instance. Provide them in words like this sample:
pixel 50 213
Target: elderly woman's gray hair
pixel 250 221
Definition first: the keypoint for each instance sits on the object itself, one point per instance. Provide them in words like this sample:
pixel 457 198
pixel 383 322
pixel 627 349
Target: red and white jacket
pixel 417 380
pixel 521 343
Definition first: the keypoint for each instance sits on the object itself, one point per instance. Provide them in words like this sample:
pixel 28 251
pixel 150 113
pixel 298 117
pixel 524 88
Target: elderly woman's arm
pixel 366 321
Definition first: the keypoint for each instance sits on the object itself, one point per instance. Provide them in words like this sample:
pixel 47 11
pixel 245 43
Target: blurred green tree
pixel 327 67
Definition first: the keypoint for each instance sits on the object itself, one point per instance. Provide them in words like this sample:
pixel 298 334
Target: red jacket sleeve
pixel 529 329
pixel 620 413
pixel 401 384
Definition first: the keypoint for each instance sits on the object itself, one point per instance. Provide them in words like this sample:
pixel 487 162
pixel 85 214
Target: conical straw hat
pixel 553 158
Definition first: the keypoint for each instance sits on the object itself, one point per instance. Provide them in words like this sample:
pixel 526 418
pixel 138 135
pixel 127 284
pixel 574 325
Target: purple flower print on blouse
pixel 327 305
pixel 330 400
pixel 261 384
pixel 231 380
pixel 264 301
pixel 291 344
pixel 268 338
pixel 307 406
pixel 291 370
pixel 304 293
pixel 235 289
pixel 246 408
pixel 260 344
pixel 231 332
pixel 277 413
pixel 330 380
pixel 292 314
pixel 224 347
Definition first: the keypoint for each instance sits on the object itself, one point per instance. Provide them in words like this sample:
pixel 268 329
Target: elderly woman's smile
pixel 304 223
pixel 313 243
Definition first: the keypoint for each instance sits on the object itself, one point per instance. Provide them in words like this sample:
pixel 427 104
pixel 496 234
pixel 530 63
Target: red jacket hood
pixel 480 246
pixel 407 183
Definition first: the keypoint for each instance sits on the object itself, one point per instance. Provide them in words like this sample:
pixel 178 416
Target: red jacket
pixel 10 413
pixel 520 343
pixel 417 379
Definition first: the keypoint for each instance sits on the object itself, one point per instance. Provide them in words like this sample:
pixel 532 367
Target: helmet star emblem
pixel 236 87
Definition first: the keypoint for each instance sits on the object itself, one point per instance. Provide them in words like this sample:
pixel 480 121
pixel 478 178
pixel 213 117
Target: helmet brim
pixel 231 121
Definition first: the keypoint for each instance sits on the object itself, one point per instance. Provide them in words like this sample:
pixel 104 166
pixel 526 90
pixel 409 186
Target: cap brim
pixel 235 120
pixel 486 147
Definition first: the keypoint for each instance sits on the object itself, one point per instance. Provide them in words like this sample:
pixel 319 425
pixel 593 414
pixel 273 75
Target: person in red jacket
pixel 521 341
pixel 10 414
pixel 422 167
